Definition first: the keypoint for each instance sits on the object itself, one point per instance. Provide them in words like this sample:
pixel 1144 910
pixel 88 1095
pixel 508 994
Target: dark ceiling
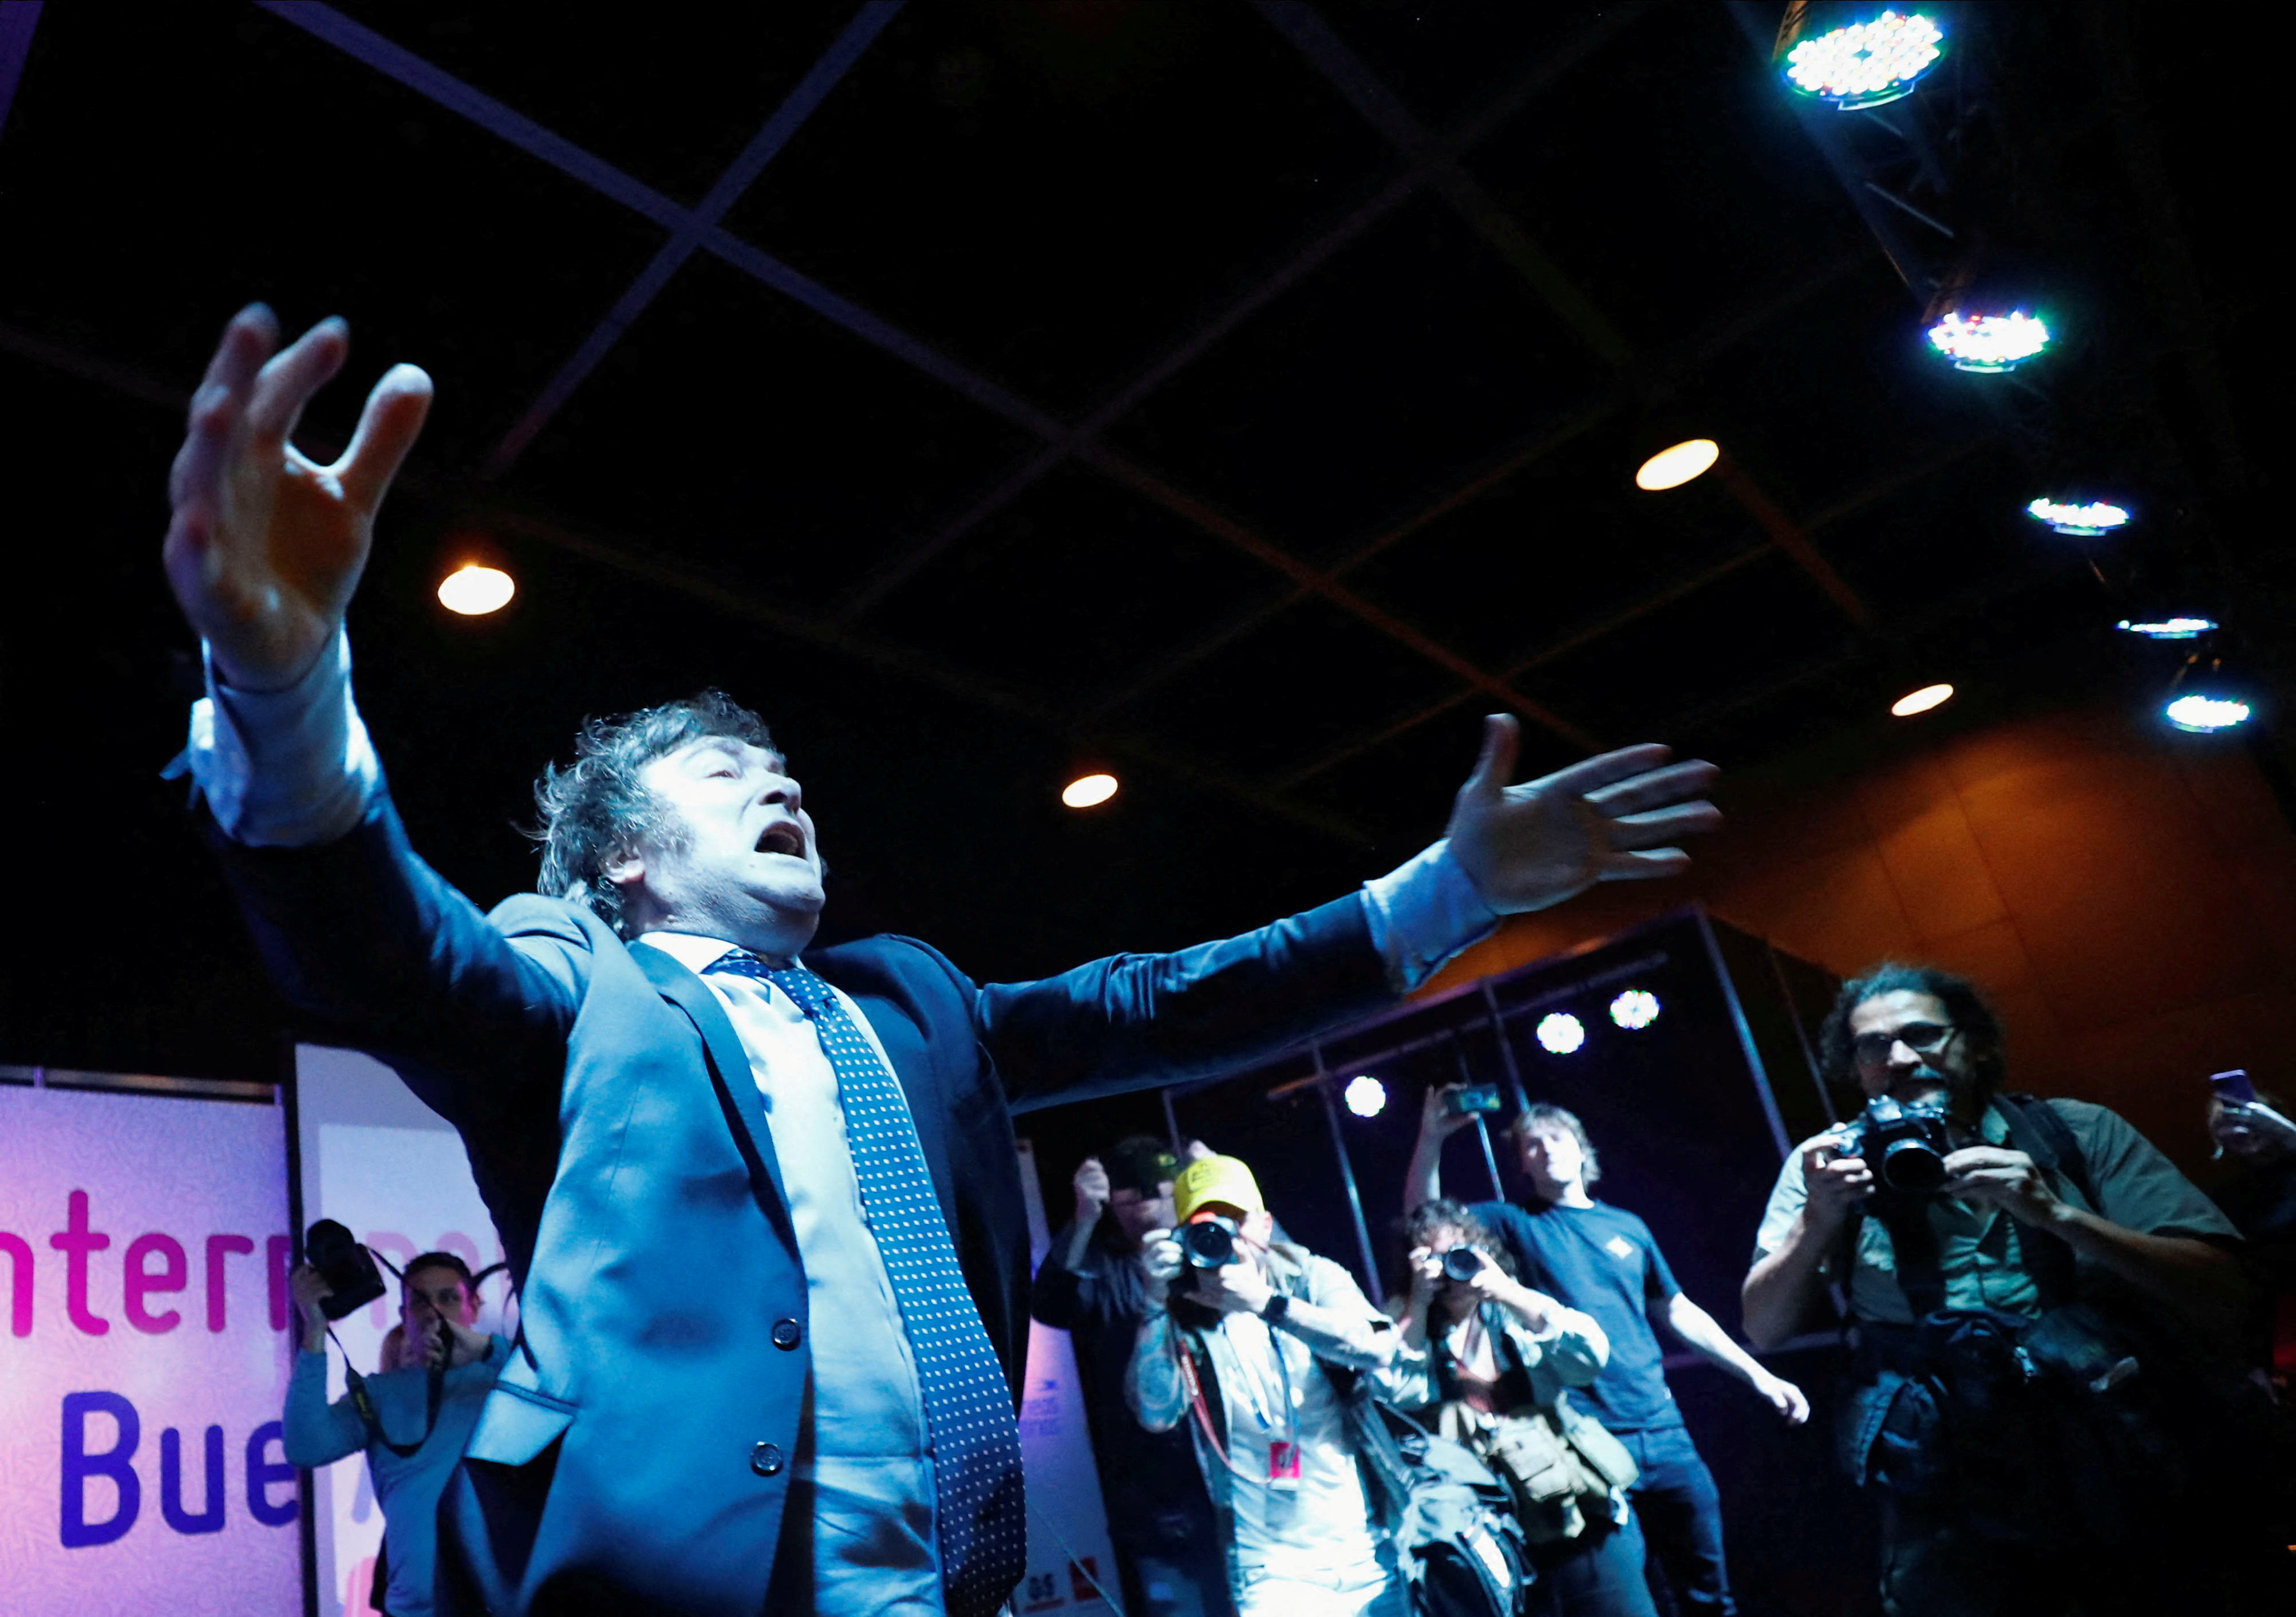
pixel 1243 396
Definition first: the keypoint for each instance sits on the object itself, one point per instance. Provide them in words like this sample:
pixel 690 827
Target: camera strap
pixel 362 1400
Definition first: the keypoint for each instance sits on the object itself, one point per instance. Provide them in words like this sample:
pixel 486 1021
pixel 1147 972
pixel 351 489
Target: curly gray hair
pixel 595 809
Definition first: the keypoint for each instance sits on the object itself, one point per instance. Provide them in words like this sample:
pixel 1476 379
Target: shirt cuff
pixel 286 768
pixel 1423 913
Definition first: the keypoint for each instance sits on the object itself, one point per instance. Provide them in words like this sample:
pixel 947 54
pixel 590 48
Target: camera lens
pixel 1462 1263
pixel 1209 1244
pixel 1912 1166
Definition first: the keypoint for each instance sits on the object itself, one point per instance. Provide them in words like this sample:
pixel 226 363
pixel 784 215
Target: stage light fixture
pixel 1560 1032
pixel 1922 701
pixel 1866 64
pixel 2204 715
pixel 1677 464
pixel 2169 629
pixel 475 591
pixel 1366 1095
pixel 2080 521
pixel 1088 790
pixel 1989 342
pixel 1634 1009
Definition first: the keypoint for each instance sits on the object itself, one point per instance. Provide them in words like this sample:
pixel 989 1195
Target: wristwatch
pixel 1274 1310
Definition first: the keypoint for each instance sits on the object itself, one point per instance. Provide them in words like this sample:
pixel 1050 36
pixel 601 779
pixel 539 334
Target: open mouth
pixel 783 838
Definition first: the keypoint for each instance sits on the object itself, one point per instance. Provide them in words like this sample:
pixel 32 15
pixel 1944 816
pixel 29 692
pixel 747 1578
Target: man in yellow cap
pixel 1240 1333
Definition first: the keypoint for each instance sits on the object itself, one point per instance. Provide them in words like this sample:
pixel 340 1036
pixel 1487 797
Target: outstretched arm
pixel 1132 1020
pixel 1705 1336
pixel 264 549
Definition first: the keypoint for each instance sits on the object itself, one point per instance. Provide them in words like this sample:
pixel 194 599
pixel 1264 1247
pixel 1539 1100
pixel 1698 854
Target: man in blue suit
pixel 765 1213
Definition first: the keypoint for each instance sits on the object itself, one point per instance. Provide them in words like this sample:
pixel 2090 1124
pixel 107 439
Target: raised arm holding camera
pixel 2039 1298
pixel 1604 1260
pixel 1496 1361
pixel 411 1421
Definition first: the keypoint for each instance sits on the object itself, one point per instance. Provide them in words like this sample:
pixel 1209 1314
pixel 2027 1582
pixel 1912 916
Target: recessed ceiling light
pixel 475 591
pixel 1672 467
pixel 1087 790
pixel 1922 701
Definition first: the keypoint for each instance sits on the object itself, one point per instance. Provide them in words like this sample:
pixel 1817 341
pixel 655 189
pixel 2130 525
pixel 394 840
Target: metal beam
pixel 17 19
pixel 1389 193
pixel 1663 596
pixel 1789 536
pixel 1364 90
pixel 366 45
pixel 811 91
pixel 638 560
pixel 1548 439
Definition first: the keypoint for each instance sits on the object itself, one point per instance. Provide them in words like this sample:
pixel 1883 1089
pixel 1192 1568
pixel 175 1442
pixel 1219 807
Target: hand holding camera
pixel 1092 1190
pixel 1993 1176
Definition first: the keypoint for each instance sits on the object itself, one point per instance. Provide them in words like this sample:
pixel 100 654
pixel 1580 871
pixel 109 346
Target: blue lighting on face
pixel 1560 1033
pixel 1366 1095
pixel 2204 715
pixel 1634 1009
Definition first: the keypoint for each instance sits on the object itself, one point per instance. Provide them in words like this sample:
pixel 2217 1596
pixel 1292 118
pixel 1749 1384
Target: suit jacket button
pixel 766 1459
pixel 788 1333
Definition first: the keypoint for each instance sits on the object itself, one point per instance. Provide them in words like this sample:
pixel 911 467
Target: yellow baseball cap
pixel 1222 1179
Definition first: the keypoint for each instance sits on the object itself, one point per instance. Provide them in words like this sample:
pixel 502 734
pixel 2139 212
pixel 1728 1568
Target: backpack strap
pixel 2036 1128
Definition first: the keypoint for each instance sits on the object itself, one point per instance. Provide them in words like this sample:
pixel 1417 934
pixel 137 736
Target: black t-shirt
pixel 1144 1474
pixel 1601 1261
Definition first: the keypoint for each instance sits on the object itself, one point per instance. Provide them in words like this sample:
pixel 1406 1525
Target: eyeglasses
pixel 1922 1038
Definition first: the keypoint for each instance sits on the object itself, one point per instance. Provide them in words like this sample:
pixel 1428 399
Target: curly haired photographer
pixel 2042 1396
pixel 1495 1359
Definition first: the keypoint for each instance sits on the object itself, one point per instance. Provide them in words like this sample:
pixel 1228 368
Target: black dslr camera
pixel 1904 1146
pixel 1463 1263
pixel 353 1281
pixel 1209 1244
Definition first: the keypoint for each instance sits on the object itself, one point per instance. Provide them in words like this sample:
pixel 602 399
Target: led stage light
pixel 2204 715
pixel 2081 521
pixel 1634 1008
pixel 1989 342
pixel 1366 1095
pixel 1560 1032
pixel 2169 629
pixel 1866 64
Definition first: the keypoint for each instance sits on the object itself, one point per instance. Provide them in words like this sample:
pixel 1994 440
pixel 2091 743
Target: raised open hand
pixel 266 547
pixel 1612 818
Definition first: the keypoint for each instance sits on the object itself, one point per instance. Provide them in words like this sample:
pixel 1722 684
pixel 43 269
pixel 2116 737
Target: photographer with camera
pixel 1091 1285
pixel 1240 1337
pixel 412 1420
pixel 1604 1259
pixel 1495 1359
pixel 2040 1297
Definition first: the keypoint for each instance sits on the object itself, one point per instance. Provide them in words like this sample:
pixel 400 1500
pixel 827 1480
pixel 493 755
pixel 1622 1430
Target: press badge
pixel 1283 1462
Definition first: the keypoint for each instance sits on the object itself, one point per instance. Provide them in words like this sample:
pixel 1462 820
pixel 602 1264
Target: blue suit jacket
pixel 618 1139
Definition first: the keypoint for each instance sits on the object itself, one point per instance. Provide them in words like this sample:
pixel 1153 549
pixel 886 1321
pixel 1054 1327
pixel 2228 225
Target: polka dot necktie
pixel 968 1404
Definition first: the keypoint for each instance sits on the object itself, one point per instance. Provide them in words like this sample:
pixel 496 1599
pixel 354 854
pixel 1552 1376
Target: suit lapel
pixel 729 1070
